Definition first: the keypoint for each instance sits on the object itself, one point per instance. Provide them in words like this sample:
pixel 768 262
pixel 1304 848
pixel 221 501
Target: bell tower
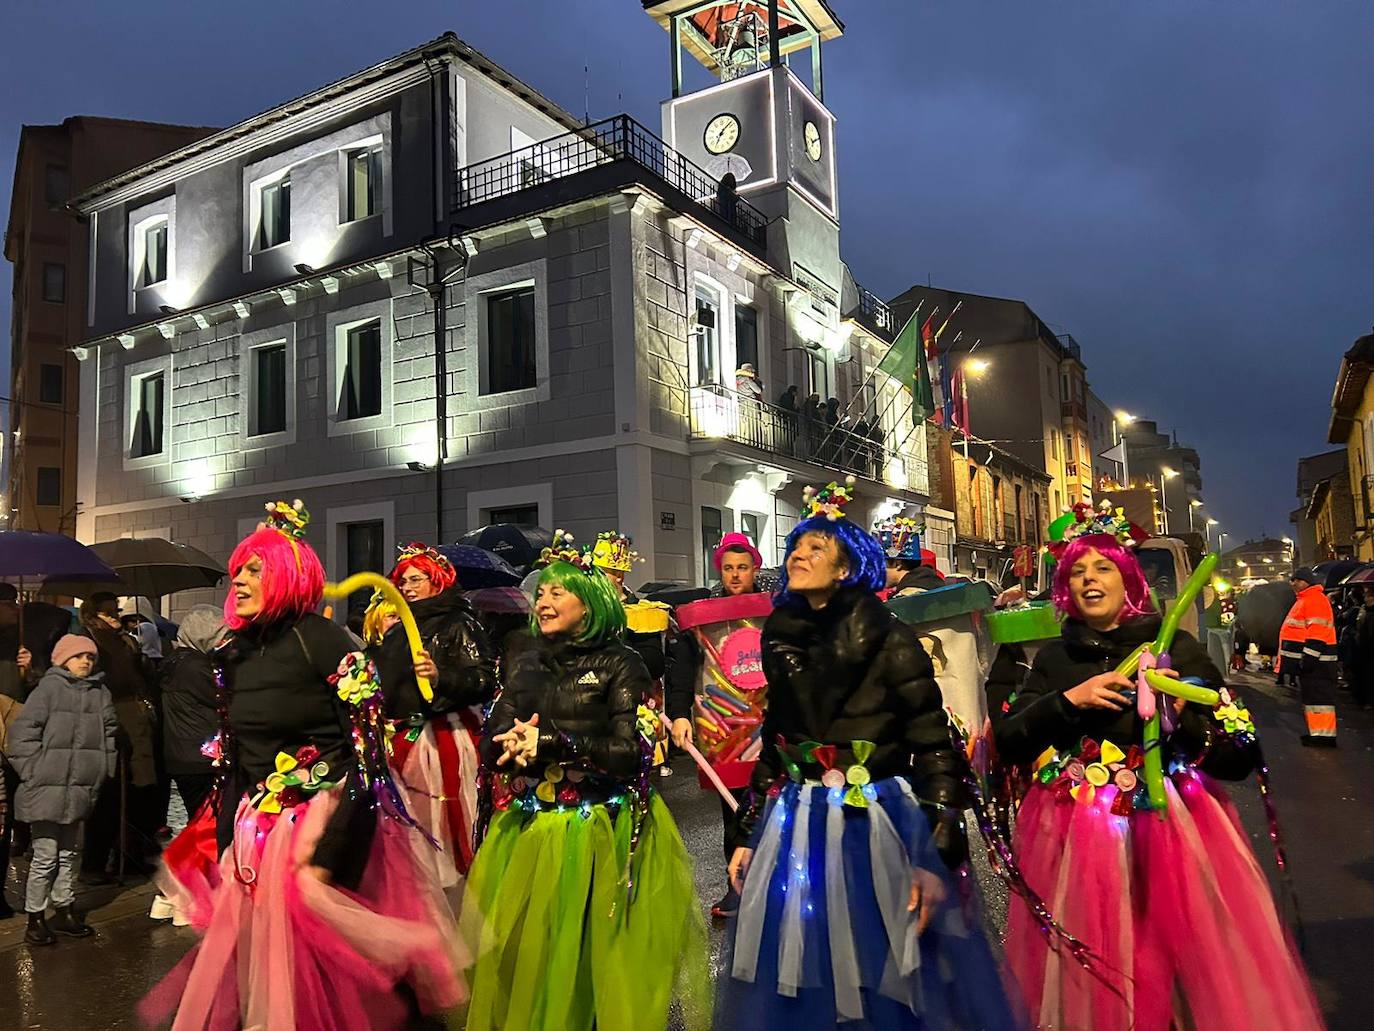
pixel 761 122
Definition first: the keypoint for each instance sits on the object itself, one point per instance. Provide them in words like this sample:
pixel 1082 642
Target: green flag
pixel 905 362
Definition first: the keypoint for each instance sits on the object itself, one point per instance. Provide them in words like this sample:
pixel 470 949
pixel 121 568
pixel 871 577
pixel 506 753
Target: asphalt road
pixel 1325 799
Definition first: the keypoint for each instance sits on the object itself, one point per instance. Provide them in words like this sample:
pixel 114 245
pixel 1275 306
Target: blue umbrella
pixel 29 560
pixel 478 568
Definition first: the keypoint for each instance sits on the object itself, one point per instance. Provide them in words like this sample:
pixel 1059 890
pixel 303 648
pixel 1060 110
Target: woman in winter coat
pixel 849 914
pixel 580 906
pixel 122 664
pixel 434 749
pixel 1173 903
pixel 63 747
pixel 189 719
pixel 323 916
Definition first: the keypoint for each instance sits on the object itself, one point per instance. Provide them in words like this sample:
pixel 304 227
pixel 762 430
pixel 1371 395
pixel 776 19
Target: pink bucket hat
pixel 736 542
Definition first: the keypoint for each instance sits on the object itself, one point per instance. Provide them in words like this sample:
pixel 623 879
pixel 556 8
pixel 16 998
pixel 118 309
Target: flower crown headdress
pixel 562 549
pixel 613 550
pixel 418 549
pixel 289 520
pixel 829 501
pixel 1081 521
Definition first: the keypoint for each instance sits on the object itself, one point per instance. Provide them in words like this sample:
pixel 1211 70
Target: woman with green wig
pixel 580 910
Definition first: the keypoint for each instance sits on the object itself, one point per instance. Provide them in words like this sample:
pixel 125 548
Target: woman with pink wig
pixel 1172 904
pixel 324 916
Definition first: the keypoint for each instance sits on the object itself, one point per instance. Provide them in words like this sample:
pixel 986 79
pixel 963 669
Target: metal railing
pixel 603 143
pixel 872 308
pixel 720 413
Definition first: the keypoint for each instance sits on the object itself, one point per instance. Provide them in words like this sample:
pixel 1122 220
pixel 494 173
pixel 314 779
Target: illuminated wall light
pixel 750 495
pixel 422 446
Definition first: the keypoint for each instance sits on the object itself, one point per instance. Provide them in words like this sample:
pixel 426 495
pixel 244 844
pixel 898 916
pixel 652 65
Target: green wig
pixel 605 619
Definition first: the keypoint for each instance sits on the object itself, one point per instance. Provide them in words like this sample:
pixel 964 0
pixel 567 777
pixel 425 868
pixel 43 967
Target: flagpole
pixel 872 375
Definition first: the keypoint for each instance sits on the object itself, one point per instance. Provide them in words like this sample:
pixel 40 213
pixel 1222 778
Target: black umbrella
pixel 150 567
pixel 518 545
pixel 1333 572
pixel 478 568
pixel 673 594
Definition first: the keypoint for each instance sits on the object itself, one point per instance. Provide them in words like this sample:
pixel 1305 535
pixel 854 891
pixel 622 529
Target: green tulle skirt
pixel 558 940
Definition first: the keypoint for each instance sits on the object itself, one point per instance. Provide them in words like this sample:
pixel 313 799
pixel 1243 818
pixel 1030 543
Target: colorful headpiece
pixel 829 501
pixel 612 551
pixel 1082 521
pixel 562 549
pixel 900 537
pixel 430 561
pixel 378 609
pixel 290 519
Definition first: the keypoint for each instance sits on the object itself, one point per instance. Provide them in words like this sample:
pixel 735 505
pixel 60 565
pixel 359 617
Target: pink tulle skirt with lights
pixel 438 770
pixel 293 954
pixel 1177 910
pixel 189 871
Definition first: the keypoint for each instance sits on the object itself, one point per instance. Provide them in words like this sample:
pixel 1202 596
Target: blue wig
pixel 861 551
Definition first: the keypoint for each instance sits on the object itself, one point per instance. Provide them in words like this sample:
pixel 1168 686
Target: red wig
pixel 428 561
pixel 292 577
pixel 1137 602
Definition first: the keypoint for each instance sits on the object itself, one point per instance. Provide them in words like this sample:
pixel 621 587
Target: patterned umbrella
pixel 504 600
pixel 478 568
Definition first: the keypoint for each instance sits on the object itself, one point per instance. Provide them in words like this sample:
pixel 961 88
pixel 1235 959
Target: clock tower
pixel 762 123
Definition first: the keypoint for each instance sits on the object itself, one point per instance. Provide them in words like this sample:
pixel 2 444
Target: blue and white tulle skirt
pixel 823 937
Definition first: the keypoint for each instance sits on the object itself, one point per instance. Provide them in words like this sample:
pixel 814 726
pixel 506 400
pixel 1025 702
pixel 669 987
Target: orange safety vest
pixel 1309 629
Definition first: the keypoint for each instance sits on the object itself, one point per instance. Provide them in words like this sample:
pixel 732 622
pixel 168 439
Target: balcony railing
pixel 874 311
pixel 600 144
pixel 719 413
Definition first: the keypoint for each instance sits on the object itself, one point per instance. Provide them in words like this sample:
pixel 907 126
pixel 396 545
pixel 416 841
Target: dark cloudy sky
pixel 1184 185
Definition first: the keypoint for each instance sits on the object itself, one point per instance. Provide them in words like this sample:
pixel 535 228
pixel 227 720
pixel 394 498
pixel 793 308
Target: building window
pixel 707 364
pixel 1020 514
pixel 54 282
pixel 360 387
pixel 49 487
pixel 711 526
pixel 819 370
pixel 153 267
pixel 274 213
pixel 364 551
pixel 749 526
pixel 50 384
pixel 268 414
pixel 56 185
pixel 510 344
pixel 148 398
pixel 517 515
pixel 746 336
pixel 362 182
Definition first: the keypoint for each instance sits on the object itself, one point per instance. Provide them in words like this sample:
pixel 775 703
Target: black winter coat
pixel 189 716
pixel 280 700
pixel 587 698
pixel 852 671
pixel 1041 717
pixel 460 648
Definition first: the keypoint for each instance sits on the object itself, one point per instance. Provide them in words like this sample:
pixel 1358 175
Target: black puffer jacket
pixel 280 700
pixel 460 648
pixel 1041 717
pixel 852 671
pixel 587 698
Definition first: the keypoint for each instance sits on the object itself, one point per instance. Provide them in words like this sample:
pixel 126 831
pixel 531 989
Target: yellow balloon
pixel 359 581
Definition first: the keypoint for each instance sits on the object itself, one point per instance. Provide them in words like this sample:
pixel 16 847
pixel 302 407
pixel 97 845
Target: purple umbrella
pixel 29 560
pixel 478 568
pixel 505 600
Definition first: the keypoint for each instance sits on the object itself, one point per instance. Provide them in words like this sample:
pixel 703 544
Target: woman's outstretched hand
pixel 1101 692
pixel 520 743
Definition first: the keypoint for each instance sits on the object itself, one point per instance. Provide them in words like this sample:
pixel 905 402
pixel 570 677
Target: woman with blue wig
pixel 849 914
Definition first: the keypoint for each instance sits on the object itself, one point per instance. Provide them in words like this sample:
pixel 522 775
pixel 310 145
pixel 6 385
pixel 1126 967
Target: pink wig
pixel 292 577
pixel 1138 601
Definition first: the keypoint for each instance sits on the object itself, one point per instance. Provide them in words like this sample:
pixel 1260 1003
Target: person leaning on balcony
pixel 787 400
pixel 747 383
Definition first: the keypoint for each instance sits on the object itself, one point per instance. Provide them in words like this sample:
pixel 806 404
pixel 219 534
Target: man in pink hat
pixel 737 561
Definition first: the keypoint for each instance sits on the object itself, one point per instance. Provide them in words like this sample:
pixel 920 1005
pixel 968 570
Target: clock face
pixel 722 133
pixel 812 136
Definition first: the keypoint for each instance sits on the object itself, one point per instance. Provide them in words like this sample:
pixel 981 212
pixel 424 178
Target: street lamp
pixel 971 367
pixel 1221 540
pixel 1194 504
pixel 1210 523
pixel 1125 418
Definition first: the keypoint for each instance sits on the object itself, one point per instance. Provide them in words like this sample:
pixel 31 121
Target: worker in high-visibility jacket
pixel 1307 647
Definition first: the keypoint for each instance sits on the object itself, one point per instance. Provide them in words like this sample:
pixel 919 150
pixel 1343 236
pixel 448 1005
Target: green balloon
pixel 1061 524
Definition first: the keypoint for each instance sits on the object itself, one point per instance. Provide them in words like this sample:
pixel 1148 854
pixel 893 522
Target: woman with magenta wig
pixel 324 916
pixel 850 915
pixel 434 744
pixel 1167 901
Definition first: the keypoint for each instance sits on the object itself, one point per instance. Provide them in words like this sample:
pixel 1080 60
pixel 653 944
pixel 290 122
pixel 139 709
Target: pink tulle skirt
pixel 438 771
pixel 189 871
pixel 293 953
pixel 1177 910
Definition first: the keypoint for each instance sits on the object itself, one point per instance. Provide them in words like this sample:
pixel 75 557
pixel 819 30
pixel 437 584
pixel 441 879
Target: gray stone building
pixel 265 306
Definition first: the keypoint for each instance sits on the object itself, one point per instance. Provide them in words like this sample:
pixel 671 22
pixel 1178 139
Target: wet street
pixel 1325 799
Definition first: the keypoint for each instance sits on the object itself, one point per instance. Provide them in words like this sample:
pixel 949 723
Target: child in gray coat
pixel 63 747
